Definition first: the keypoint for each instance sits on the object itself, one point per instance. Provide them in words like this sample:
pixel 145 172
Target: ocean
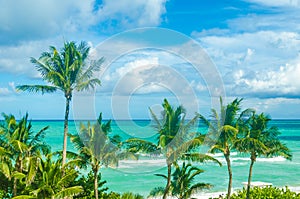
pixel 138 176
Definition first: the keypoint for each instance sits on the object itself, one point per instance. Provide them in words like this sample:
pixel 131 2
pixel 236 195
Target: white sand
pixel 200 195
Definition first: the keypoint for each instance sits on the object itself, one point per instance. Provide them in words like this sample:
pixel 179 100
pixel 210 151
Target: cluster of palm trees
pixel 245 132
pixel 29 169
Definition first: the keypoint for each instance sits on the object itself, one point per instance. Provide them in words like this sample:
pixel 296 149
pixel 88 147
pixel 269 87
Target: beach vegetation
pixel 182 183
pixel 20 149
pixel 266 192
pixel 222 132
pixel 259 139
pixel 171 133
pixel 96 149
pixel 174 140
pixel 67 71
pixel 51 183
pixel 88 183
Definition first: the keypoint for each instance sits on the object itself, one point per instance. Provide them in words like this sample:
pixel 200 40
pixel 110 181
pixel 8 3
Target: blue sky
pixel 254 45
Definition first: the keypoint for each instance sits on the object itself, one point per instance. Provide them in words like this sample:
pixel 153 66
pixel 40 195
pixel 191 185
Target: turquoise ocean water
pixel 138 176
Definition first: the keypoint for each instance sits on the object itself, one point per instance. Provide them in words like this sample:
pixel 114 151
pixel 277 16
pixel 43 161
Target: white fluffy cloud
pixel 257 64
pixel 131 13
pixel 29 28
pixel 16 59
pixel 283 82
pixel 7 91
pixel 34 19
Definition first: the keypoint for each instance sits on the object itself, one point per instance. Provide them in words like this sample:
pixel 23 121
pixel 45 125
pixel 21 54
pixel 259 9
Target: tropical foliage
pixel 266 192
pixel 173 140
pixel 28 169
pixel 67 70
pixel 96 149
pixel 20 149
pixel 50 182
pixel 223 131
pixel 88 182
pixel 170 135
pixel 260 140
pixel 182 183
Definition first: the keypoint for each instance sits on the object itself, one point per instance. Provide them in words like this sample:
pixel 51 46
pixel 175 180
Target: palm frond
pixel 157 191
pixel 162 175
pixel 199 157
pixel 200 187
pixel 88 84
pixel 33 167
pixel 156 120
pixel 69 192
pixel 135 145
pixel 24 197
pixel 37 88
pixel 5 169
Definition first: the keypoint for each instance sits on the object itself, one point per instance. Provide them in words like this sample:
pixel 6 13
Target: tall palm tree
pixel 260 140
pixel 66 71
pixel 223 129
pixel 172 137
pixel 96 149
pixel 23 146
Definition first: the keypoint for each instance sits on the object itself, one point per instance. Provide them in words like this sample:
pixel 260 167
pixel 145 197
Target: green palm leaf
pixel 24 197
pixel 69 192
pixel 37 88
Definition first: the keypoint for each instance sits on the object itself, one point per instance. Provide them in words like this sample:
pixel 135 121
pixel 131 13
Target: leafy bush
pixel 268 192
pixel 114 195
pixel 87 183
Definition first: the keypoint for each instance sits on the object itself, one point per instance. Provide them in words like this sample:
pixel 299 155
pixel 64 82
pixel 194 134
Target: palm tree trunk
pixel 227 158
pixel 96 183
pixel 66 124
pixel 15 187
pixel 250 176
pixel 168 182
pixel 18 167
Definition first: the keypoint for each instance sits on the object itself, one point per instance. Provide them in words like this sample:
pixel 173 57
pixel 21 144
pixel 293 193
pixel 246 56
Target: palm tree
pixel 23 146
pixel 260 140
pixel 182 183
pixel 96 149
pixel 51 183
pixel 172 139
pixel 66 71
pixel 6 169
pixel 223 129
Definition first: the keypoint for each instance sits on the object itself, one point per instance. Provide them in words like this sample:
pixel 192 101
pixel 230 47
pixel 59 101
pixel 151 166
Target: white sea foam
pixel 145 163
pixel 274 159
pixel 295 189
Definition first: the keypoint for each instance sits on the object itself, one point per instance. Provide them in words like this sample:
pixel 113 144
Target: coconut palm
pixel 223 129
pixel 22 147
pixel 66 71
pixel 260 140
pixel 50 182
pixel 96 149
pixel 182 184
pixel 172 139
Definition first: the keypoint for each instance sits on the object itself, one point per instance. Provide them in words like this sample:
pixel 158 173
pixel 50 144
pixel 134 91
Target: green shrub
pixel 268 192
pixel 114 195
